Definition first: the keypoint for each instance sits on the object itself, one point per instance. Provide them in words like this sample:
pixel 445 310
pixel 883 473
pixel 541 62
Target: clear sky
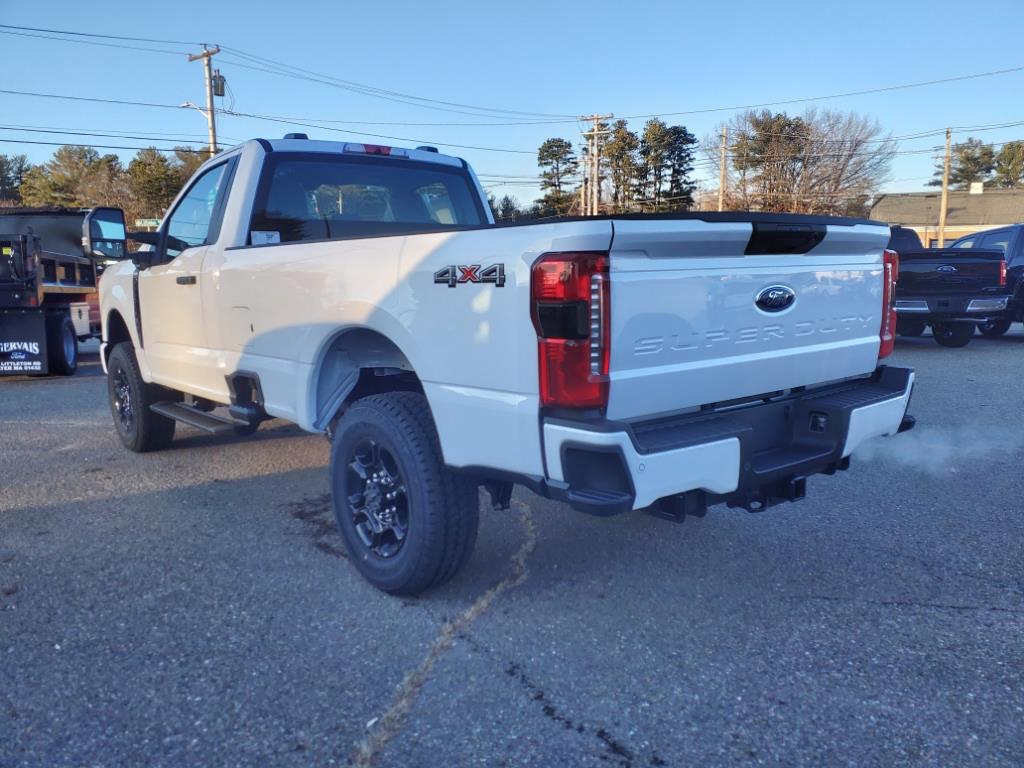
pixel 524 62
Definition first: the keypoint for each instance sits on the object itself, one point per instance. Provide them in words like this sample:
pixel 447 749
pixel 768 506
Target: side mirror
pixel 103 233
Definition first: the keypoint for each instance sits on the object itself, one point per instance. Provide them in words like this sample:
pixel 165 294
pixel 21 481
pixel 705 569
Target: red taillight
pixel 376 149
pixel 570 296
pixel 890 274
pixel 1002 272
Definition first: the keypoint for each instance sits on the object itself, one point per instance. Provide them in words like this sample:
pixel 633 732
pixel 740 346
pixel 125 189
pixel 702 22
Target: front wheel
pixel 408 522
pixel 954 334
pixel 994 328
pixel 139 428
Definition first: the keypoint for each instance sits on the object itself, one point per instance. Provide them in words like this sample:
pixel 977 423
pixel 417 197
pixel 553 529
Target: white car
pixel 617 363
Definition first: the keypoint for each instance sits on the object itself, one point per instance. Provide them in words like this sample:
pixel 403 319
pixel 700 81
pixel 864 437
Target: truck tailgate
pixel 686 326
pixel 949 272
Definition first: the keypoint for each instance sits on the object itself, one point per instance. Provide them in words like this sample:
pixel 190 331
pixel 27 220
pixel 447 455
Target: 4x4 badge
pixel 454 274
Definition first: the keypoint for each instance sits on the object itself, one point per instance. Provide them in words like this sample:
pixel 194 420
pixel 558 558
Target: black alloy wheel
pixel 121 399
pixel 378 502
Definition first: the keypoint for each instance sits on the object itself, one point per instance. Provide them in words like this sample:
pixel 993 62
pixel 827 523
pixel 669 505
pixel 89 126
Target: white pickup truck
pixel 616 363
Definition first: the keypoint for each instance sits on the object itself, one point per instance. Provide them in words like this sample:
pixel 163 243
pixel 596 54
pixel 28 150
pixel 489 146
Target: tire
pixel 427 534
pixel 139 429
pixel 910 327
pixel 954 334
pixel 61 345
pixel 994 328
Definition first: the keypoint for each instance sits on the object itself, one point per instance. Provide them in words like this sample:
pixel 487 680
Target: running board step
pixel 194 417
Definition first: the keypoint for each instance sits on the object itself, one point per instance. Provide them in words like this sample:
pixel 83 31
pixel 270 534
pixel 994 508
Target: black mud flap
pixel 23 342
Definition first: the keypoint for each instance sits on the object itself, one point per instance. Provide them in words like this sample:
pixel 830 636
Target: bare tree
pixel 824 162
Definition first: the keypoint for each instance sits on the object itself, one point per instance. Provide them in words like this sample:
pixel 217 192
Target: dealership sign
pixel 22 342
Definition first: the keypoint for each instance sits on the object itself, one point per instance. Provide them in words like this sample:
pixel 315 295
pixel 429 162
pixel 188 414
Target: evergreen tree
pixel 154 182
pixel 654 146
pixel 680 166
pixel 61 181
pixel 620 158
pixel 558 163
pixel 971 161
pixel 1009 166
pixel 508 209
pixel 12 173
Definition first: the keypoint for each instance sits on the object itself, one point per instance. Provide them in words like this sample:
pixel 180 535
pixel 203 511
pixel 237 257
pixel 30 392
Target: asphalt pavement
pixel 194 607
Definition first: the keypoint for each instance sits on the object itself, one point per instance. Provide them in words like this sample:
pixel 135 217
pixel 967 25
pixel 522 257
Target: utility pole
pixel 945 188
pixel 721 168
pixel 592 168
pixel 211 120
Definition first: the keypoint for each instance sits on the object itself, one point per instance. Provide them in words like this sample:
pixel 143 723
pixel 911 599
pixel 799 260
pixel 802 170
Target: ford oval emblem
pixel 775 298
pixel 946 269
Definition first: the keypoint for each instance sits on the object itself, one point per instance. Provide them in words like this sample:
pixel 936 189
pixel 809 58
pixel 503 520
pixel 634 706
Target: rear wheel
pixel 910 327
pixel 994 328
pixel 139 428
pixel 408 522
pixel 953 334
pixel 61 345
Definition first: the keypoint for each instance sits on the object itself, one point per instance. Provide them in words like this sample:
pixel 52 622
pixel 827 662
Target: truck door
pixel 174 335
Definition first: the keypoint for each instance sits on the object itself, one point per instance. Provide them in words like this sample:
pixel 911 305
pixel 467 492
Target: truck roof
pixel 419 154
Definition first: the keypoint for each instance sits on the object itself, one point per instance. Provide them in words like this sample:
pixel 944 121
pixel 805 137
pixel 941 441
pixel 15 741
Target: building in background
pixel 968 212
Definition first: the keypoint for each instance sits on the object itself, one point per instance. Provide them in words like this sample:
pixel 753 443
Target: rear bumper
pixel 948 308
pixel 751 456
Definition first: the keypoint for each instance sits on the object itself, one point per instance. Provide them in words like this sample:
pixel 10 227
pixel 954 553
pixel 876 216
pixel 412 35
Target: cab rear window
pixel 324 197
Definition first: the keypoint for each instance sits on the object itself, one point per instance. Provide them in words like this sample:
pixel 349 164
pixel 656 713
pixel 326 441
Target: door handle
pixel 185 280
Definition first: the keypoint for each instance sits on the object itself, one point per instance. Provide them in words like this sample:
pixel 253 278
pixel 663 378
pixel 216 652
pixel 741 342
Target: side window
pixel 327 196
pixel 189 224
pixel 996 240
pixel 967 242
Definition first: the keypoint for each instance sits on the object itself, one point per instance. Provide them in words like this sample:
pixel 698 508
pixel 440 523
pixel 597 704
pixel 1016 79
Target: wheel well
pixel 359 362
pixel 117 330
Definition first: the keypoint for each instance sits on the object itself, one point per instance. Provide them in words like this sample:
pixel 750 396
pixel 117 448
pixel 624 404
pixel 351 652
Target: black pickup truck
pixel 950 289
pixel 1009 240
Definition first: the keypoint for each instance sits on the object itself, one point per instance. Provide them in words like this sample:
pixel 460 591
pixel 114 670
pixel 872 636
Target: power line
pixel 119 46
pixel 382 92
pixel 268 118
pixel 96 34
pixel 90 98
pixel 275 67
pixel 352 89
pixel 843 95
pixel 378 135
pixel 106 135
pixel 100 146
pixel 111 132
pixel 290 70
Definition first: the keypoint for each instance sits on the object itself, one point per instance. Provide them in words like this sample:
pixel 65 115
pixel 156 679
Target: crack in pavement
pixel 391 721
pixel 616 750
